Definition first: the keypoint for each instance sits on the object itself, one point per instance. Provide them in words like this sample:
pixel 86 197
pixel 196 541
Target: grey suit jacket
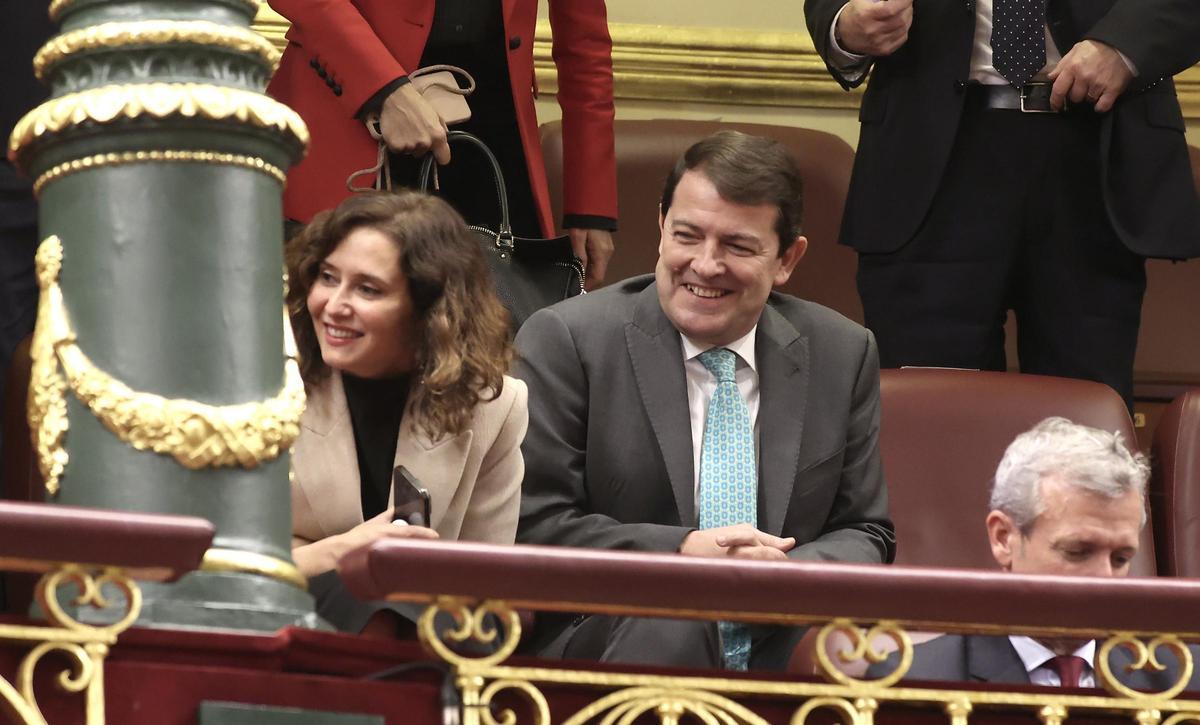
pixel 980 658
pixel 608 456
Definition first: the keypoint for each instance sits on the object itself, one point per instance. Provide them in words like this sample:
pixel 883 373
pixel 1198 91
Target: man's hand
pixel 874 27
pixel 410 125
pixel 1092 71
pixel 742 541
pixel 594 247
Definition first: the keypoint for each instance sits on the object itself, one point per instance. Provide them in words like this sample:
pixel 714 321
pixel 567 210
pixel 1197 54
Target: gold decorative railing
pixel 84 645
pixel 664 585
pixel 38 538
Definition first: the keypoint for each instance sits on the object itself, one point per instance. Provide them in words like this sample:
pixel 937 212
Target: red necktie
pixel 1068 667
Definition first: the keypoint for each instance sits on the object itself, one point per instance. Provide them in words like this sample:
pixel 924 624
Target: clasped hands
pixel 741 541
pixel 1091 70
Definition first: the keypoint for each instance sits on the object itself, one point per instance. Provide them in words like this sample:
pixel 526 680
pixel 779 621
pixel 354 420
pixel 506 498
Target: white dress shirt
pixel 852 66
pixel 701 384
pixel 1036 656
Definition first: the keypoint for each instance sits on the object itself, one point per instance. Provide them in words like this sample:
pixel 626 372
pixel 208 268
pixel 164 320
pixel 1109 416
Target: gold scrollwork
pixel 863 649
pixel 195 434
pixel 155 100
pixel 531 694
pixel 153 32
pixel 1182 717
pixel 1145 656
pixel 470 624
pixel 670 704
pixel 84 645
pixel 58 7
pixel 847 711
pixel 124 158
pixel 1052 714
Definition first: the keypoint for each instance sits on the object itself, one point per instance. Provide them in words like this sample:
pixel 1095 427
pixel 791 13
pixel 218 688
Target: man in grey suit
pixel 1067 500
pixel 627 443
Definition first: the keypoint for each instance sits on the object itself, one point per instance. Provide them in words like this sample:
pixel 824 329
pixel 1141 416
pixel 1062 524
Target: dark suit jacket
pixel 911 110
pixel 361 46
pixel 979 658
pixel 608 455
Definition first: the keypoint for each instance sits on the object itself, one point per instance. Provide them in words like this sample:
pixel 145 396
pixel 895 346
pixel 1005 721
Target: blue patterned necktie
pixel 728 477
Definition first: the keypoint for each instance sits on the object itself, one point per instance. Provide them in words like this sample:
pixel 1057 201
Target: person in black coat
pixel 963 207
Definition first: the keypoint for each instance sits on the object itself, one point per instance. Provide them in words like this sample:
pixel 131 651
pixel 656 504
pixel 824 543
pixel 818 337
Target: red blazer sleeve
pixel 583 55
pixel 336 35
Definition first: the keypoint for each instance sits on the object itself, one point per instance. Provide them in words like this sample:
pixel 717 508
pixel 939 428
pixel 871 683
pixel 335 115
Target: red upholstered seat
pixel 941 436
pixel 1175 487
pixel 646 152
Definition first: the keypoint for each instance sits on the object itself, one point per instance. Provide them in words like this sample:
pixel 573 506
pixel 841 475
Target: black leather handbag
pixel 528 274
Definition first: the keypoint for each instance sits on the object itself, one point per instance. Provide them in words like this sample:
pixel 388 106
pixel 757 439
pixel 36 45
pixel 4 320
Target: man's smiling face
pixel 718 261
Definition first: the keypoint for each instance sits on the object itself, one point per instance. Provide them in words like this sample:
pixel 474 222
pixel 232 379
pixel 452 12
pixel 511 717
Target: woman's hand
pixel 380 527
pixel 410 125
pixel 322 556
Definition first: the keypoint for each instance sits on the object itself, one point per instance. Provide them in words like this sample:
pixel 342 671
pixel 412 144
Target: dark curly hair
pixel 465 348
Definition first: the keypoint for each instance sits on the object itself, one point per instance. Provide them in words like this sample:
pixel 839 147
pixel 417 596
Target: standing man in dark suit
pixel 1014 154
pixel 1067 500
pixel 696 411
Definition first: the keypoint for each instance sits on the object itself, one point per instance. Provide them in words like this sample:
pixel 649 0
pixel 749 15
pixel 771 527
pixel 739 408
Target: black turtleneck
pixel 376 410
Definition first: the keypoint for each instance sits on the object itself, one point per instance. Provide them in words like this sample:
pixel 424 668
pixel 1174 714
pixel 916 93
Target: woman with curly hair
pixel 403 349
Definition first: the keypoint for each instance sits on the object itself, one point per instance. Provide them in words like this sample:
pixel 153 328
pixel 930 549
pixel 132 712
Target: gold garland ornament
pixel 107 36
pixel 197 435
pixel 155 100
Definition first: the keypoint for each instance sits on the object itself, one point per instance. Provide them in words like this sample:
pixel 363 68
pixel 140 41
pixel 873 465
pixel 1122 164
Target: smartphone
pixel 409 498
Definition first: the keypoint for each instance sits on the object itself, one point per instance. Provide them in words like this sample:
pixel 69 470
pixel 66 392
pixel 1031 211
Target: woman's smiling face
pixel 361 308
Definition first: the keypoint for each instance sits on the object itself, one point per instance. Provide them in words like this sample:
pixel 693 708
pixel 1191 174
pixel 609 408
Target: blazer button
pixel 314 63
pixel 321 72
pixel 337 90
pixel 514 42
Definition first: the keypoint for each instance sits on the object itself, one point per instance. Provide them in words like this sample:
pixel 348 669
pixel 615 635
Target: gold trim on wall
pixel 723 66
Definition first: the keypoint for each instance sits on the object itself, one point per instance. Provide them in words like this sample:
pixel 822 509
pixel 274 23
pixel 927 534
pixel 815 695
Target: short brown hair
pixel 464 349
pixel 747 170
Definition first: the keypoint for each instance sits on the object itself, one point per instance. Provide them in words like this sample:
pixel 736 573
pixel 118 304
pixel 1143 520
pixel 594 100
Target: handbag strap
pixel 505 236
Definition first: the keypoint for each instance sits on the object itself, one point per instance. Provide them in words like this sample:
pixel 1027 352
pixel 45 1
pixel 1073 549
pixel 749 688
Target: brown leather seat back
pixel 942 434
pixel 1175 487
pixel 646 152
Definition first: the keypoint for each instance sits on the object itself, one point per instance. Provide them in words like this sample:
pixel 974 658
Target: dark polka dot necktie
pixel 1018 39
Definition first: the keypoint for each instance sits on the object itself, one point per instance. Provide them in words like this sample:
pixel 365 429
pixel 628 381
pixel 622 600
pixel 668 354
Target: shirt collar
pixel 743 347
pixel 1034 654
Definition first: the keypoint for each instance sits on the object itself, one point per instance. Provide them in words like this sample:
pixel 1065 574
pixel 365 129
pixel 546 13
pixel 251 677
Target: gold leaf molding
pixel 155 100
pixel 153 32
pixel 726 66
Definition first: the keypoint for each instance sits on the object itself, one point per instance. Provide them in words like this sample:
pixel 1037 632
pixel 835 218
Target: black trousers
pixel 1019 223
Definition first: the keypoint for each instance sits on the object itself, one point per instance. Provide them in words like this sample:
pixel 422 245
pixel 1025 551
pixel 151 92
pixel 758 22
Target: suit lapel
pixel 783 373
pixel 437 465
pixel 993 659
pixel 656 354
pixel 332 483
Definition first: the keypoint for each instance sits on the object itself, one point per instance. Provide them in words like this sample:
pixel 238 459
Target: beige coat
pixel 473 479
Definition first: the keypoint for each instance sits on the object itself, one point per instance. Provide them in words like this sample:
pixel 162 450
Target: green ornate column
pixel 161 378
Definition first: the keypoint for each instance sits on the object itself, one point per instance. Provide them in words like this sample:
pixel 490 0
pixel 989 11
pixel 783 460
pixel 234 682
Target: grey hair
pixel 1088 458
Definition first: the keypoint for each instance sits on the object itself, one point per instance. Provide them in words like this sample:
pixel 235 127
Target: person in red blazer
pixel 345 59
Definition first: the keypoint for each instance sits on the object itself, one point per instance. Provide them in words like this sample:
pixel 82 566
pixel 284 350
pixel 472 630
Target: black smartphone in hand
pixel 410 500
